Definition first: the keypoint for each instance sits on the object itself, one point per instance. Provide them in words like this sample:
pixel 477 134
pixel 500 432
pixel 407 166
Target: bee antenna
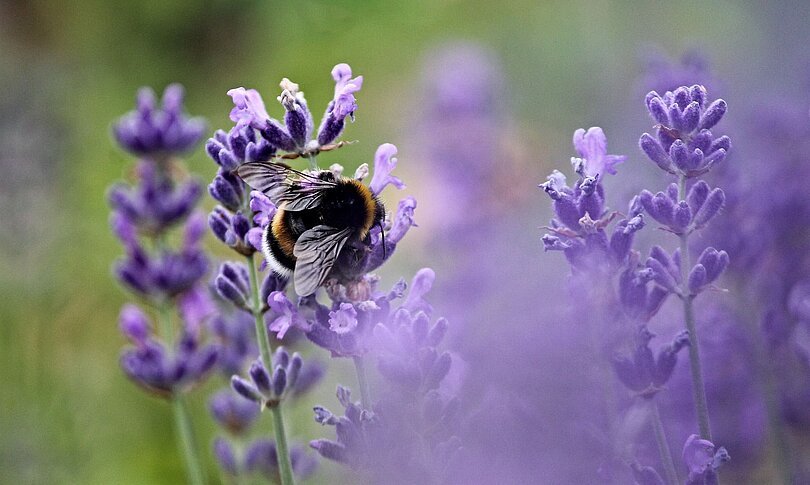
pixel 382 235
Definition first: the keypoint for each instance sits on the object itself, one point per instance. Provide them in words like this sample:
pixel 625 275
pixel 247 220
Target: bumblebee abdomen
pixel 278 243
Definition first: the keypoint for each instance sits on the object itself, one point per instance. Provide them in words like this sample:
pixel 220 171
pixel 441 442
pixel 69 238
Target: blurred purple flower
pixel 157 369
pixel 153 132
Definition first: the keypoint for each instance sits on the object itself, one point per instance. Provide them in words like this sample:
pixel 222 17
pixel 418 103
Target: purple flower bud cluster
pixel 683 216
pixel 165 273
pixel 238 411
pixel 684 143
pixel 578 229
pixel 645 373
pixel 347 329
pixel 155 367
pixel 266 388
pixel 154 132
pixel 156 204
pixel 416 409
pixel 294 135
pixel 260 459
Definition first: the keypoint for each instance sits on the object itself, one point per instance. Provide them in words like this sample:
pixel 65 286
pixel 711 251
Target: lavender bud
pixel 260 376
pixel 245 389
pixel 657 108
pixel 713 114
pixel 712 205
pixel 697 278
pixel 682 216
pixel 679 155
pixel 661 275
pixel 294 369
pixel 437 332
pixel 279 381
pixel 655 152
pixel 691 117
pixel 697 195
pixel 227 289
pixel 698 94
pixel 225 456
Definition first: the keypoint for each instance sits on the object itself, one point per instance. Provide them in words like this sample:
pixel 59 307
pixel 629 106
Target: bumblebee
pixel 322 224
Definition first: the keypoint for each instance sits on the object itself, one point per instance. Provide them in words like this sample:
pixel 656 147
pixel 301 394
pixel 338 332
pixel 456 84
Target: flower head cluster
pixel 416 409
pixel 163 274
pixel 346 330
pixel 237 412
pixel 684 143
pixel 269 389
pixel 157 368
pixel 157 203
pixel 645 373
pixel 155 133
pixel 294 135
pixel 578 228
pixel 261 459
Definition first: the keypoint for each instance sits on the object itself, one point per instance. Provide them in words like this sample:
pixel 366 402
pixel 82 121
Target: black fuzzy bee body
pixel 321 219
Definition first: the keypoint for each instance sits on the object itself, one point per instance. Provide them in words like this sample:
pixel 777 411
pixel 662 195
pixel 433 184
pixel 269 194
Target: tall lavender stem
pixel 284 464
pixel 663 444
pixel 698 386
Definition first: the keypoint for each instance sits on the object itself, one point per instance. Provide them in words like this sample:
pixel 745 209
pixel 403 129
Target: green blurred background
pixel 67 69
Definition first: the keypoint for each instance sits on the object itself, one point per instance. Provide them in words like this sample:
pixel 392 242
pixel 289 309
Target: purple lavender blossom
pixel 156 133
pixel 342 105
pixel 261 459
pixel 158 369
pixel 703 460
pixel 294 135
pixel 684 143
pixel 156 203
pixel 645 373
pixel 266 388
pixel 232 412
pixel 166 274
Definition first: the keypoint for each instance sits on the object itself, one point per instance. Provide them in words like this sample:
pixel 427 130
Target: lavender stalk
pixel 684 146
pixel 284 463
pixel 698 386
pixel 158 275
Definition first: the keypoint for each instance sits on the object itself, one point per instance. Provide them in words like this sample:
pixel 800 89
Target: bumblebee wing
pixel 316 251
pixel 284 185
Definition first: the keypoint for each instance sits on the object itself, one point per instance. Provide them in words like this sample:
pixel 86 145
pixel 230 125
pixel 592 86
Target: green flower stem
pixel 698 387
pixel 313 165
pixel 185 433
pixel 195 472
pixel 283 453
pixel 663 444
pixel 362 380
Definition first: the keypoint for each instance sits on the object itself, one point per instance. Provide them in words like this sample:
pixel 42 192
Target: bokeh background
pixel 67 69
